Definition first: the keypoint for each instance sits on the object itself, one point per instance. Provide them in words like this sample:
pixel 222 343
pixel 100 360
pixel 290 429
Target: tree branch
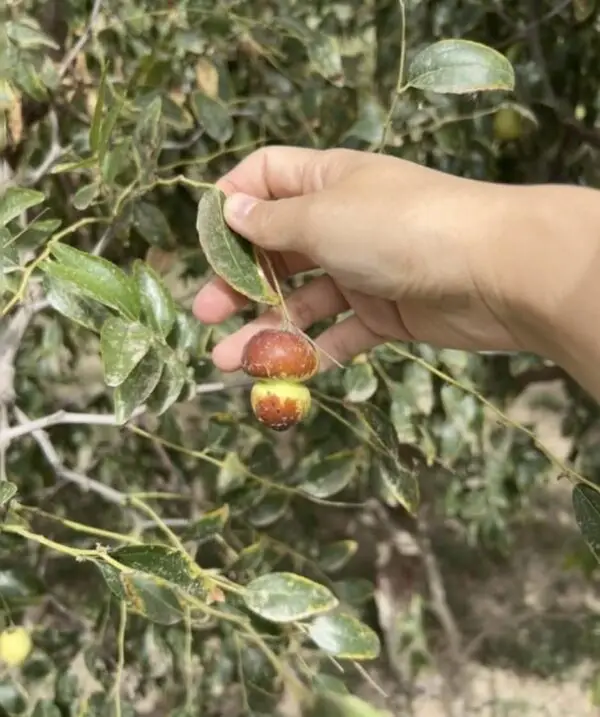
pixel 77 47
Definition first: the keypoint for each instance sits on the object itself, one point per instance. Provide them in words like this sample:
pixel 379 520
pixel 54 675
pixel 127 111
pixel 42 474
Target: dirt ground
pixel 540 617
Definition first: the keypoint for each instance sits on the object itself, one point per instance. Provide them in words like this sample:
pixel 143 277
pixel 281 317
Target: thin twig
pixel 84 482
pixel 91 419
pixel 76 49
pixel 33 176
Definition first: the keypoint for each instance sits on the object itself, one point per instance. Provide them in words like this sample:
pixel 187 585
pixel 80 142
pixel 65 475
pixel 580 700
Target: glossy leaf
pixel 170 386
pixel 158 307
pixel 7 491
pixel 345 637
pixel 123 345
pixel 360 382
pixel 85 195
pixel 163 562
pixel 401 486
pixel 334 556
pixel 190 335
pixel 459 67
pixel 138 386
pixel 15 200
pixel 207 526
pixel 213 116
pixel 231 256
pixel 143 594
pixel 76 308
pixel 150 222
pixel 269 510
pixel 287 597
pixel 95 278
pixel 586 505
pixel 330 475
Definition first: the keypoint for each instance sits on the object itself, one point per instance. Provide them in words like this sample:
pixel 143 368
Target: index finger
pixel 276 172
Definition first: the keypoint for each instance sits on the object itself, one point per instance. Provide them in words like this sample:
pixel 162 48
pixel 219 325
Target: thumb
pixel 276 224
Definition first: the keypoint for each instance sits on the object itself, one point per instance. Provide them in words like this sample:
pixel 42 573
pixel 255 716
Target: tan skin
pixel 415 254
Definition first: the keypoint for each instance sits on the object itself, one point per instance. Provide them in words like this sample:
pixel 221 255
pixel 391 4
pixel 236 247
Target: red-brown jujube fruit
pixel 281 355
pixel 280 404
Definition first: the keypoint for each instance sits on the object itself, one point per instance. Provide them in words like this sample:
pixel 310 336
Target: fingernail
pixel 237 206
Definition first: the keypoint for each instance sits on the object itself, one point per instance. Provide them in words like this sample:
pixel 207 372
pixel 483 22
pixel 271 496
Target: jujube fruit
pixel 15 646
pixel 280 404
pixel 279 354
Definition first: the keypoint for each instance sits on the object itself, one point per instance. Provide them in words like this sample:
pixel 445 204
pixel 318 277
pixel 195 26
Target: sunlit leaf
pixel 344 636
pixel 163 562
pixel 286 597
pixel 459 67
pixel 28 35
pixel 401 486
pixel 95 278
pixel 334 556
pixel 586 505
pixel 143 594
pixel 15 200
pixel 207 526
pixel 332 704
pixel 72 306
pixel 170 386
pixel 330 475
pixel 7 491
pixel 138 386
pixel 325 58
pixel 158 307
pixel 231 256
pixel 360 382
pixel 123 345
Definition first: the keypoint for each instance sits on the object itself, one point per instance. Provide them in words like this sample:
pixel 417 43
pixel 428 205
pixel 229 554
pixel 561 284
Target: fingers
pixel 279 172
pixel 345 340
pixel 217 301
pixel 309 304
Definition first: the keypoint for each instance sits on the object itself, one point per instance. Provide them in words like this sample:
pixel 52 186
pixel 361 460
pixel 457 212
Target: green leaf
pixel 158 307
pixel 583 9
pixel 206 527
pixel 107 127
pixel 459 67
pixel 20 584
pixel 231 256
pixel 360 382
pixel 147 133
pixel 345 637
pixel 7 491
pixel 46 708
pixel 74 165
pixel 152 225
pixel 400 484
pixel 286 597
pixel 143 594
pixel 586 505
pixel 116 160
pixel 123 345
pixel 15 201
pixel 330 704
pixel 85 195
pixel 137 387
pixel 12 702
pixel 170 386
pixel 269 511
pixel 330 475
pixel 28 35
pixel 355 592
pixel 334 556
pixel 165 563
pixel 96 124
pixel 191 336
pixel 214 117
pixel 95 278
pixel 326 59
pixel 76 308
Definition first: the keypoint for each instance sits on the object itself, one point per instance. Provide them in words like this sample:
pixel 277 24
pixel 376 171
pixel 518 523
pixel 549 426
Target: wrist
pixel 548 262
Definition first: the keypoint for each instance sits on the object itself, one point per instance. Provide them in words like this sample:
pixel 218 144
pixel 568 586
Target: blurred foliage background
pixel 485 601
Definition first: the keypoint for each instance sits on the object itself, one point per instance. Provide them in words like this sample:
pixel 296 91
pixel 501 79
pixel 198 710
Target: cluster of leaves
pixel 110 223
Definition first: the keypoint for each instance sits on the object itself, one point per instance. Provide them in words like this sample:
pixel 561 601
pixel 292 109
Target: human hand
pixel 412 253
